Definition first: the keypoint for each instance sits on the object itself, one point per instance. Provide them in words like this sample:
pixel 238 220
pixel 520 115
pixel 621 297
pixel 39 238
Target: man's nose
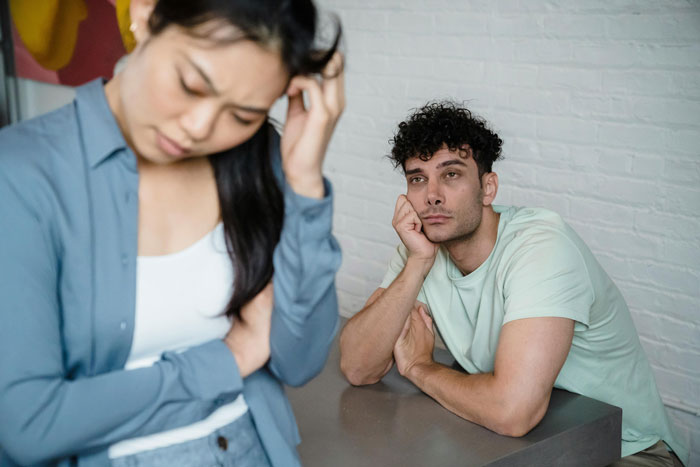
pixel 435 197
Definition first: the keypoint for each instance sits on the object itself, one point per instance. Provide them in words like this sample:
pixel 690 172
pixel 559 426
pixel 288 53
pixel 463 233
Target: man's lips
pixel 170 146
pixel 435 218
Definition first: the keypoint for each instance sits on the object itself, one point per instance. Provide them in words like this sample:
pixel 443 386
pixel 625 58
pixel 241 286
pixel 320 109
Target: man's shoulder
pixel 529 226
pixel 527 218
pixel 538 235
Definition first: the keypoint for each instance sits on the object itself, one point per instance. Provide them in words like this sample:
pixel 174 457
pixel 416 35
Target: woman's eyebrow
pixel 214 91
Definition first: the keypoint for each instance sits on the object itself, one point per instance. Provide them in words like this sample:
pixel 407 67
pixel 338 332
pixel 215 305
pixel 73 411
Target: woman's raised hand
pixel 308 131
pixel 249 336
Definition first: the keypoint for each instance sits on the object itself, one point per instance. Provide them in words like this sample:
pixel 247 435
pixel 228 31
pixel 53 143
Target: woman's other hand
pixel 307 132
pixel 249 336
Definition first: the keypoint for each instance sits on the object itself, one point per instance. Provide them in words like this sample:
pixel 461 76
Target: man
pixel 517 297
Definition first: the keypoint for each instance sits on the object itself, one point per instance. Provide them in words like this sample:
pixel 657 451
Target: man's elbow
pixel 352 367
pixel 517 422
pixel 514 428
pixel 356 374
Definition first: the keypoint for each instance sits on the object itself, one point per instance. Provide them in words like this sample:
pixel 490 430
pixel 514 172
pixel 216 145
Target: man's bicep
pixel 530 354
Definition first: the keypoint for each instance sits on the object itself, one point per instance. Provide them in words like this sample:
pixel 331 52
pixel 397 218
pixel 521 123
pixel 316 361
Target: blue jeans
pixel 235 445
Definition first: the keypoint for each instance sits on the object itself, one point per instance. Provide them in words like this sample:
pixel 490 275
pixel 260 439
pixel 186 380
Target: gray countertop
pixel 394 423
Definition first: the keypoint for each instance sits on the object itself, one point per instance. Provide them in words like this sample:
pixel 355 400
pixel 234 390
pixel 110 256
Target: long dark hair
pixel 250 198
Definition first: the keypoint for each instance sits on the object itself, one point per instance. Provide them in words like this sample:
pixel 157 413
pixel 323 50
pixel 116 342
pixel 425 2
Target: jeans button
pixel 222 442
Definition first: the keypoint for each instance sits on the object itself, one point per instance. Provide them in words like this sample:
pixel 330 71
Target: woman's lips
pixel 169 146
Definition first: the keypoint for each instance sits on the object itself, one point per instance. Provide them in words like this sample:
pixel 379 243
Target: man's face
pixel 446 193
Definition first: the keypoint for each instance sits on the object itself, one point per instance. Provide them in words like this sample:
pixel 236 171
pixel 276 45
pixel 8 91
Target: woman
pixel 137 231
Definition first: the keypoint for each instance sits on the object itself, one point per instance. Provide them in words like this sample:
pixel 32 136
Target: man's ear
pixel 139 12
pixel 489 184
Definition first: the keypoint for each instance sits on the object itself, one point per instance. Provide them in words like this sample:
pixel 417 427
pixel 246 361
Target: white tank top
pixel 179 300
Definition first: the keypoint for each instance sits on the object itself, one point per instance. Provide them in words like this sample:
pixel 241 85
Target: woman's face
pixel 182 96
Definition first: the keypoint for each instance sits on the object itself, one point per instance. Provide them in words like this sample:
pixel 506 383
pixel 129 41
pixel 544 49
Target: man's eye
pixel 451 174
pixel 416 179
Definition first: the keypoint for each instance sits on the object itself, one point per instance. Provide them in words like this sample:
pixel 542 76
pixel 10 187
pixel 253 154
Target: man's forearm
pixel 367 340
pixel 479 398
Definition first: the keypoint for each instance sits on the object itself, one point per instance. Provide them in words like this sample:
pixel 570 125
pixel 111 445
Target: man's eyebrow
pixel 451 162
pixel 439 166
pixel 213 90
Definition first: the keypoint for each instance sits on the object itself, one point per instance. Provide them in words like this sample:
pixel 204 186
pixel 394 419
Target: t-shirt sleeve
pixel 547 277
pixel 396 265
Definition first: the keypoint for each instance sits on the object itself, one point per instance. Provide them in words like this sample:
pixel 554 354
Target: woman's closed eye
pixel 189 90
pixel 241 120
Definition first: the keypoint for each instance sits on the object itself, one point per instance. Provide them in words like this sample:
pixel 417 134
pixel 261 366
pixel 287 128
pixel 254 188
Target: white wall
pixel 36 98
pixel 599 106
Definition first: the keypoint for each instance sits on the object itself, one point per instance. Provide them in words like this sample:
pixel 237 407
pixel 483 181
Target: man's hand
pixel 414 347
pixel 410 229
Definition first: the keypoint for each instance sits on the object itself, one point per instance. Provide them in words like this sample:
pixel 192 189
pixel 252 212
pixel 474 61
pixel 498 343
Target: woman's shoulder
pixel 38 141
pixel 35 152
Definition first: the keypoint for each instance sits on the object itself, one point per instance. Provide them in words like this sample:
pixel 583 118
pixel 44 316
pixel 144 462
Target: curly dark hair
pixel 445 123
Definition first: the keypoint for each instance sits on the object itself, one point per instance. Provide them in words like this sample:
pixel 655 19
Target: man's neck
pixel 470 253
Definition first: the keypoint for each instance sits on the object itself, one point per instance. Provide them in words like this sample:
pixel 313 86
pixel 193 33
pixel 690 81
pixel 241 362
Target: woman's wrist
pixel 245 367
pixel 310 186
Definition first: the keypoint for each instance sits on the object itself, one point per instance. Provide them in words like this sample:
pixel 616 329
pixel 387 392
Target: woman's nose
pixel 200 120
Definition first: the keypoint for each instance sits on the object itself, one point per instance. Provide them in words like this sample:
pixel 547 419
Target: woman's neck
pixel 114 101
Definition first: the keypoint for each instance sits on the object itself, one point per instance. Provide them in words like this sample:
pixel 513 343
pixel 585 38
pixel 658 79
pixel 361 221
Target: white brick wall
pixel 599 106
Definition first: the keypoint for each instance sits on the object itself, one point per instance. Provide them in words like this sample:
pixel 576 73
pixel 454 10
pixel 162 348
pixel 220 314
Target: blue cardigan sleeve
pixel 307 257
pixel 305 317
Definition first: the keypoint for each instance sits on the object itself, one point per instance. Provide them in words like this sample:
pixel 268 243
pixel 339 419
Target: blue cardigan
pixel 68 248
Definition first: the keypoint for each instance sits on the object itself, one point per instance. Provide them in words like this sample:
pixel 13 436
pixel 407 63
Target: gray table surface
pixel 393 423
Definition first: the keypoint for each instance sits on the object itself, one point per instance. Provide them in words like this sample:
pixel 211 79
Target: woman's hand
pixel 307 132
pixel 249 336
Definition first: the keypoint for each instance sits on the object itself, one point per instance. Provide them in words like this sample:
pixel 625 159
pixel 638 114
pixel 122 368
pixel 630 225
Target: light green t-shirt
pixel 539 267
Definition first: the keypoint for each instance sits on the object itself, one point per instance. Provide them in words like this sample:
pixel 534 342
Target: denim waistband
pixel 234 445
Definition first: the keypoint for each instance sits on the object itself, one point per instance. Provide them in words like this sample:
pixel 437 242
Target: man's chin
pixel 435 236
